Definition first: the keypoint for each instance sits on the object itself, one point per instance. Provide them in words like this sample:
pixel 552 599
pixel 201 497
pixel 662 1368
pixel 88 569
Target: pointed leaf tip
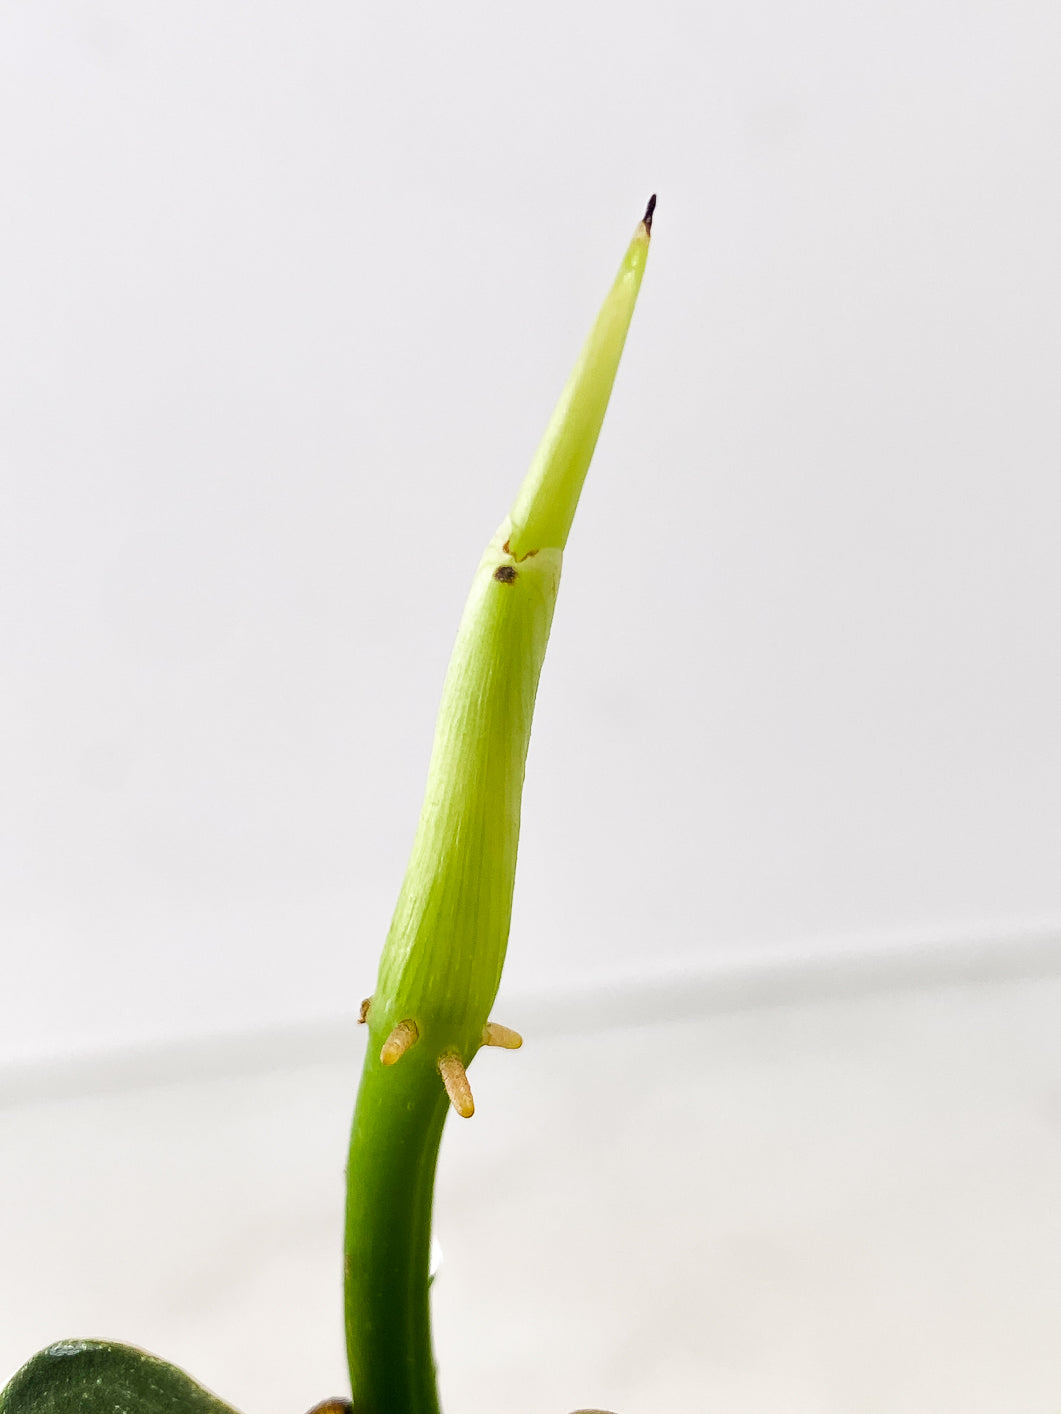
pixel 542 513
pixel 650 211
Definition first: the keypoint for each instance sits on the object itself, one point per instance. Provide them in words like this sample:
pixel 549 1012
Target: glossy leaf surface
pixel 99 1377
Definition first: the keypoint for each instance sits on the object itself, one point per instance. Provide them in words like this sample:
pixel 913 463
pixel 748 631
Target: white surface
pixel 287 295
pixel 843 1202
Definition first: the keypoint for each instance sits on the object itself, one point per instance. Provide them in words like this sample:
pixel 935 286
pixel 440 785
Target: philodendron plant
pixel 441 964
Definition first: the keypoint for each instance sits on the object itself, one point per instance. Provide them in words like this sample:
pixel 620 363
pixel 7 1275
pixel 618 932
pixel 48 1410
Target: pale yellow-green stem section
pixel 442 962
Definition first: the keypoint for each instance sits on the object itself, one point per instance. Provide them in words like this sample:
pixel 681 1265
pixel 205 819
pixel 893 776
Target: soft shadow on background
pixel 287 296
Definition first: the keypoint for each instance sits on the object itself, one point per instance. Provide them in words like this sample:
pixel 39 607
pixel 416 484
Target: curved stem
pixel 394 1146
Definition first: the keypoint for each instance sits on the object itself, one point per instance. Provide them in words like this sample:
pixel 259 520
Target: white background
pixel 287 293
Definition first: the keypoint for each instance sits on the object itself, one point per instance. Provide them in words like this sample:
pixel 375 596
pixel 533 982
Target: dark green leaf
pixel 98 1377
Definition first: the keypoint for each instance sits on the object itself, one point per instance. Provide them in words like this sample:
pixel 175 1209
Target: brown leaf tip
pixel 650 209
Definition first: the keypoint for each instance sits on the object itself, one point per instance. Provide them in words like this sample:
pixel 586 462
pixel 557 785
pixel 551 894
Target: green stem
pixel 390 1177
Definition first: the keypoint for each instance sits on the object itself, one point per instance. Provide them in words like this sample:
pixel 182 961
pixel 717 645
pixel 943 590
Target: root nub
pixel 495 1035
pixel 455 1079
pixel 405 1035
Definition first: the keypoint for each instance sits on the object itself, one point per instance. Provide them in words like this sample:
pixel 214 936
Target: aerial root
pixel 455 1079
pixel 402 1038
pixel 494 1035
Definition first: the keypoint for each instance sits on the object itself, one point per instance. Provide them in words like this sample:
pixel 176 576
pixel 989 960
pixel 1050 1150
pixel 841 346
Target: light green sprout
pixel 441 965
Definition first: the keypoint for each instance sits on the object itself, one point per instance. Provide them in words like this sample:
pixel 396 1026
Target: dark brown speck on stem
pixel 646 220
pixel 505 574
